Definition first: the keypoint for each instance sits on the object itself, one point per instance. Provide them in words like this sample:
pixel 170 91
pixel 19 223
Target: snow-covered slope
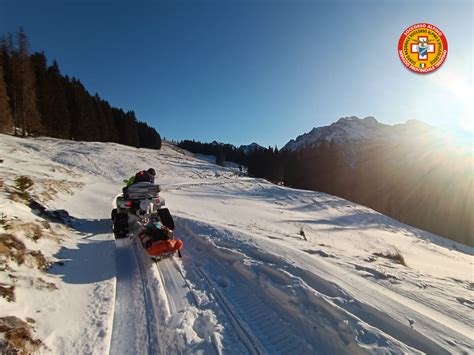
pixel 265 269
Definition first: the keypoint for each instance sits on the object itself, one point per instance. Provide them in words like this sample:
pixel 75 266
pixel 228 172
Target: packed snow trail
pixel 155 309
pixel 178 295
pixel 270 297
pixel 133 330
pixel 243 332
pixel 259 296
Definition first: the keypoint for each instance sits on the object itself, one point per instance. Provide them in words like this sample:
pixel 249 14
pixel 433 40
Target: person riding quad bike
pixel 143 176
pixel 123 216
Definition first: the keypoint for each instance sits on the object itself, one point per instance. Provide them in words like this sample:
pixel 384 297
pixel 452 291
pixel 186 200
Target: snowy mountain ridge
pixel 348 130
pixel 249 147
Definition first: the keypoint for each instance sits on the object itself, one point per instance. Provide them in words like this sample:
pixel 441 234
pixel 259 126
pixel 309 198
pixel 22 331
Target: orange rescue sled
pixel 158 240
pixel 161 247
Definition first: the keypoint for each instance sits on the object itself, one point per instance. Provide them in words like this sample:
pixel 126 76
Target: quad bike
pixel 138 202
pixel 137 208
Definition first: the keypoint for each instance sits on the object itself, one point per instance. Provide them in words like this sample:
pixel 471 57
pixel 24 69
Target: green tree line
pixel 222 152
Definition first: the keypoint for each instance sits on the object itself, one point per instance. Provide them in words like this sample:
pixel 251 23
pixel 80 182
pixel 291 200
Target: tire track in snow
pixel 258 324
pixel 151 307
pixel 253 315
pixel 340 323
pixel 133 331
pixel 129 333
pixel 176 289
pixel 241 329
pixel 155 307
pixel 181 295
pixel 180 302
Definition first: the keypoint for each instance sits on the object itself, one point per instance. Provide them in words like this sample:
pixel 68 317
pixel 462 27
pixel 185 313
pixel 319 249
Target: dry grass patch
pixel 45 189
pixel 394 255
pixel 7 292
pixel 41 284
pixel 51 187
pixel 39 260
pixel 17 337
pixel 11 248
pixel 32 230
pixel 20 192
pixel 4 222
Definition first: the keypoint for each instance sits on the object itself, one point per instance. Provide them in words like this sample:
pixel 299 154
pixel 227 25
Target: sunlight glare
pixel 461 91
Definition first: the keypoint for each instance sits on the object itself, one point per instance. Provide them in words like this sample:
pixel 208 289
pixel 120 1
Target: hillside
pixel 265 268
pixel 418 174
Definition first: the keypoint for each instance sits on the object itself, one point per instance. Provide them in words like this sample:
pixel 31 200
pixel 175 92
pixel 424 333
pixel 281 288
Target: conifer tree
pixel 6 120
pixel 84 123
pixel 220 157
pixel 9 57
pixel 111 134
pixel 57 106
pixel 40 67
pixel 29 117
pixel 132 138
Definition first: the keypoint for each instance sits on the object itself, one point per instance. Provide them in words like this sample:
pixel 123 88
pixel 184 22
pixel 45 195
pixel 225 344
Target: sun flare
pixel 459 90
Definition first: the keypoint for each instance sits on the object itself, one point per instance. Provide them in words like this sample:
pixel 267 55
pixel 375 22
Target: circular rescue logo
pixel 422 48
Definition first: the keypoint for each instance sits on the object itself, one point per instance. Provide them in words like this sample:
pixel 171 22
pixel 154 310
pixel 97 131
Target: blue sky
pixel 244 71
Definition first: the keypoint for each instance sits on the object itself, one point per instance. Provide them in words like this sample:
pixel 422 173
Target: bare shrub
pixel 22 185
pixel 302 233
pixel 20 193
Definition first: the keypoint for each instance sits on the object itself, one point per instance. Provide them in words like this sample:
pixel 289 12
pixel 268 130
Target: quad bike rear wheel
pixel 120 224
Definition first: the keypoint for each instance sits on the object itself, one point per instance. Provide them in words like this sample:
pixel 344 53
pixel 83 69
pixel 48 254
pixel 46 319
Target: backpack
pixel 156 231
pixel 143 176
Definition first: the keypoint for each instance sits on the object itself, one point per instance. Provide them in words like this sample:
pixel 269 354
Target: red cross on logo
pixel 423 48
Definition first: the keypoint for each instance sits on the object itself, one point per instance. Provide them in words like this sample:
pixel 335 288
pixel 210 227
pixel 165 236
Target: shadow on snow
pixel 91 260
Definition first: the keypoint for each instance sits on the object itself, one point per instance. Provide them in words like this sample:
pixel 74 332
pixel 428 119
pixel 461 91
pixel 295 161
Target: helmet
pixel 151 171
